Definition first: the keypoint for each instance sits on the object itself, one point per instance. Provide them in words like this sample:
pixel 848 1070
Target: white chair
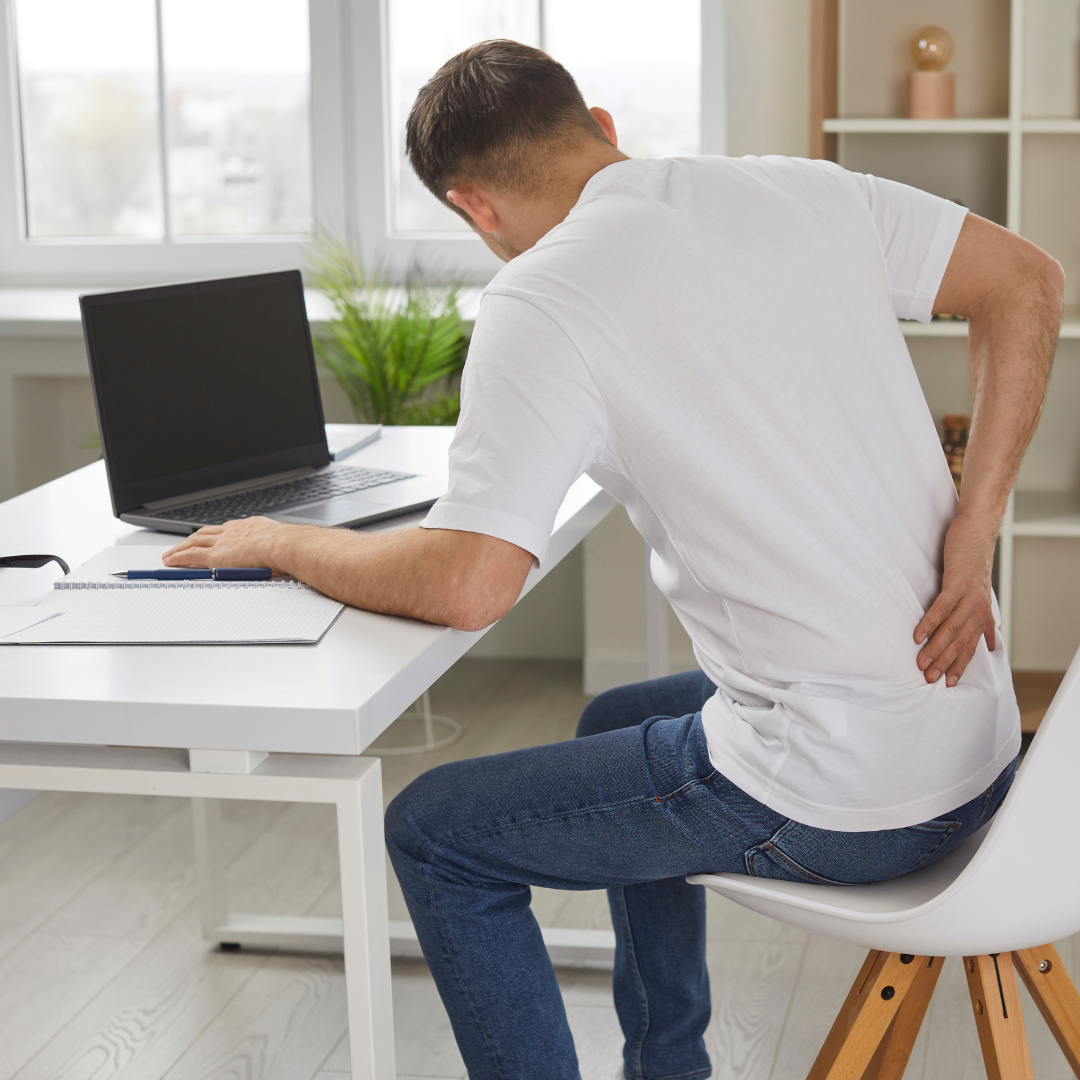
pixel 995 900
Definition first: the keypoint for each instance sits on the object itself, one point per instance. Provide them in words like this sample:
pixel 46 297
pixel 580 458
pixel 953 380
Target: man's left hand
pixel 255 541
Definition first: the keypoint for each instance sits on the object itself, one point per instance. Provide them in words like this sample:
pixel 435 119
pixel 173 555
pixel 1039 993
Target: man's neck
pixel 582 168
pixel 537 217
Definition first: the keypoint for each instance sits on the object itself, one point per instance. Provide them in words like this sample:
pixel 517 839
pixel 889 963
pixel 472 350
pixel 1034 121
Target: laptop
pixel 209 410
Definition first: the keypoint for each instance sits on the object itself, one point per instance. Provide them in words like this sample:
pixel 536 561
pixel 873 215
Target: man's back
pixel 715 341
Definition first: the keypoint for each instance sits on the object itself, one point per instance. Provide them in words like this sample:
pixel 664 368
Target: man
pixel 716 342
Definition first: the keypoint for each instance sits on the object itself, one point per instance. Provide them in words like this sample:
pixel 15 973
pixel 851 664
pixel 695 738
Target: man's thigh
pixel 635 804
pixel 628 706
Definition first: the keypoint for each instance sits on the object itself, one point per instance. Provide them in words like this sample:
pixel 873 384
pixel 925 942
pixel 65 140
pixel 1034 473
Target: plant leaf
pixel 388 350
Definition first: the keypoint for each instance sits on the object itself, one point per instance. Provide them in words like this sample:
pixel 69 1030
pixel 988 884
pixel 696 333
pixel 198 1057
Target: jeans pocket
pixel 799 853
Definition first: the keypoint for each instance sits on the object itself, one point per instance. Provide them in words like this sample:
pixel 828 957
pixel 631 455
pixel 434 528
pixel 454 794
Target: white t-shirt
pixel 715 342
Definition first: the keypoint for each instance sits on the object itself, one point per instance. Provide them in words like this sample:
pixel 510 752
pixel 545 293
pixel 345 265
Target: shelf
pixel 1050 127
pixel 1070 327
pixel 938 328
pixel 1047 513
pixel 996 125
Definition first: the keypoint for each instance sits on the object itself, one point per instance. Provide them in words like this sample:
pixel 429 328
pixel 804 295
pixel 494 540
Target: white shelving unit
pixel 902 126
pixel 1012 154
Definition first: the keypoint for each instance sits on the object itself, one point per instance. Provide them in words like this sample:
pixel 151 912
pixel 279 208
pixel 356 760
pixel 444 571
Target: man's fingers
pixel 187 557
pixel 939 611
pixel 941 664
pixel 949 627
pixel 959 647
pixel 191 544
pixel 966 619
pixel 194 539
pixel 959 665
pixel 192 547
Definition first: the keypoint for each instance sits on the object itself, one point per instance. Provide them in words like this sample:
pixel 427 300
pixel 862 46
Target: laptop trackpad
pixel 343 508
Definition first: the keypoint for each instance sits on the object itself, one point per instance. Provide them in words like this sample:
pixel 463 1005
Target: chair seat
pixel 918 913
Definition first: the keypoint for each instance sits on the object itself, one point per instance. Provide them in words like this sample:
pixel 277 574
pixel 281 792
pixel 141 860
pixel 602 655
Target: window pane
pixel 88 96
pixel 424 34
pixel 237 83
pixel 643 66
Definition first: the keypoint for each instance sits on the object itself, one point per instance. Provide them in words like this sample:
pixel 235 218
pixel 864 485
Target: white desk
pixel 124 719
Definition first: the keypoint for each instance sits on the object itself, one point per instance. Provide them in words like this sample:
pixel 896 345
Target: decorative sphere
pixel 932 48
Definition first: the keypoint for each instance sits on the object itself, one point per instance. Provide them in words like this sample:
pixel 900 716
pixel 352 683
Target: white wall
pixel 614 582
pixel 768 76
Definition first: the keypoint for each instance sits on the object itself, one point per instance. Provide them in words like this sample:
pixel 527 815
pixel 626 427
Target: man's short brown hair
pixel 493 114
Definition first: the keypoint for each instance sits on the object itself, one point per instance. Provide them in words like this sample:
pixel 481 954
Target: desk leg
pixel 352 784
pixel 210 866
pixel 366 928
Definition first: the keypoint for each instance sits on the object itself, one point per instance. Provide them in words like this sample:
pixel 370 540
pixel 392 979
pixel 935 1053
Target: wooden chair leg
pixel 892 1055
pixel 868 1015
pixel 1046 978
pixel 996 1003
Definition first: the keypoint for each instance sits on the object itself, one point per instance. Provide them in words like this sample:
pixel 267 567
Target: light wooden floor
pixel 103 974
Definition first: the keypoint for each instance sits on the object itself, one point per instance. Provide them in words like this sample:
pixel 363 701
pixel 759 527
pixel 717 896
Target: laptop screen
pixel 202 385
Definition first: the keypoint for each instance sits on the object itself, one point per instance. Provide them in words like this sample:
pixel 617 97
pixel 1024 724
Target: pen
pixel 194 573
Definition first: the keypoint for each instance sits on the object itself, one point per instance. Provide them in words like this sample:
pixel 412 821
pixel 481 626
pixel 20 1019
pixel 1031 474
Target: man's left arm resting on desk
pixel 462 579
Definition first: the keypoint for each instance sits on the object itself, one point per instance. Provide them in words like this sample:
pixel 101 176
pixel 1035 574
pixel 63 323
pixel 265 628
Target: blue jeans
pixel 632 805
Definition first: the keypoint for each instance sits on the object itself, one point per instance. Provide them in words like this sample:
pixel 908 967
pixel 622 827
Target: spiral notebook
pixel 90 607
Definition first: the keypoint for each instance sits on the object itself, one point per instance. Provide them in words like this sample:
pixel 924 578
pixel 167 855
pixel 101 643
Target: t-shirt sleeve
pixel 532 421
pixel 918 232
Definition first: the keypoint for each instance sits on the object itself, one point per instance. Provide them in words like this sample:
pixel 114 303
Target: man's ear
pixel 607 125
pixel 476 205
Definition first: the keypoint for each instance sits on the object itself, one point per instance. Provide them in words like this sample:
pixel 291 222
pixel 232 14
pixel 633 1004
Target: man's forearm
pixel 460 579
pixel 1011 293
pixel 419 573
pixel 1012 342
pixel 382 572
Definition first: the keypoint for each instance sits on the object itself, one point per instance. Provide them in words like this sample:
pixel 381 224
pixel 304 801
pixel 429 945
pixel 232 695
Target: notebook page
pixel 289 612
pixel 15 619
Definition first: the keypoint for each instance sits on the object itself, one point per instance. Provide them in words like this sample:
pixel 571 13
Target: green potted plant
pixel 396 352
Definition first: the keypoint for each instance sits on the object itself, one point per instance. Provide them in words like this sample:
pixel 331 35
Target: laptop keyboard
pixel 266 500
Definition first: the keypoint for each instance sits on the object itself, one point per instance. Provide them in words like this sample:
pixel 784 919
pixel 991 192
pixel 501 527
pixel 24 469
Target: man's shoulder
pixel 645 209
pixel 717 167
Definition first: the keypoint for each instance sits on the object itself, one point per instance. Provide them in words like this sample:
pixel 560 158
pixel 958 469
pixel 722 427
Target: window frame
pixel 95 261
pixel 352 147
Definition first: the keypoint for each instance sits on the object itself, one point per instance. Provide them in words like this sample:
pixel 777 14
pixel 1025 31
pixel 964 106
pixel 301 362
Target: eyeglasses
pixel 32 562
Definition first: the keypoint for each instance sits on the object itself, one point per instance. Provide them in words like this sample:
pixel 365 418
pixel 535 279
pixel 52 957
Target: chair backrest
pixel 1026 873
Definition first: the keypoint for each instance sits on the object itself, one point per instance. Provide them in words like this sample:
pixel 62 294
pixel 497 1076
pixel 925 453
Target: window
pixel 136 122
pixel 155 140
pixel 639 60
pixel 152 140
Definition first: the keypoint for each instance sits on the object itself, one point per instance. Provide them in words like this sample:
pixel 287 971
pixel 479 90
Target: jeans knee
pixel 603 713
pixel 406 824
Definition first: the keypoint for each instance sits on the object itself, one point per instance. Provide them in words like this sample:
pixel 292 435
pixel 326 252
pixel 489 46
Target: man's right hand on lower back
pixel 962 612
